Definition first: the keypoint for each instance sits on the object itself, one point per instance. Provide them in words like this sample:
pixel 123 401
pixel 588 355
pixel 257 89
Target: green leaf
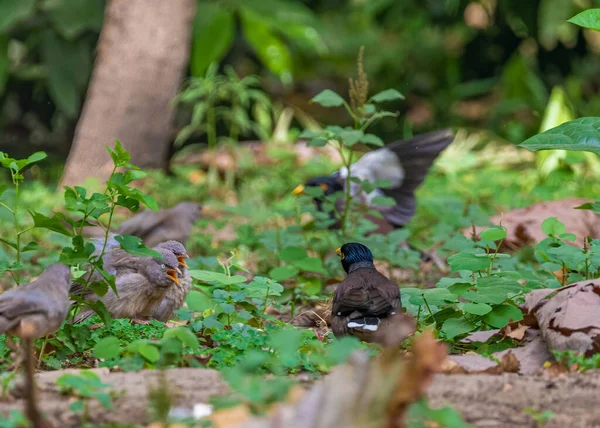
pixel 119 155
pixel 222 279
pixel 310 264
pixel 107 348
pixel 503 314
pixel 387 95
pixel 475 308
pixel 77 406
pixel 11 12
pixel 51 223
pixel 328 98
pixel 32 246
pixel 384 201
pixel 283 272
pixel 553 227
pixel 468 261
pixel 493 290
pixel 581 134
pixel 212 37
pixel 134 246
pixel 12 244
pixel 198 301
pixel 73 17
pixel 587 19
pixel 149 352
pixel 372 140
pixel 495 233
pixel 36 157
pixel 292 254
pixel 268 46
pixel 453 327
pixel 593 206
pixel 351 136
pixel 184 335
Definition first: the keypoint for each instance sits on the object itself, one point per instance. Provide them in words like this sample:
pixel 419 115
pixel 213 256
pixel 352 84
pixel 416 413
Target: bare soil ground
pixel 484 400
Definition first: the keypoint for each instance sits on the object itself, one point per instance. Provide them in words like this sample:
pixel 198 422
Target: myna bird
pixel 175 296
pixel 404 164
pixel 156 227
pixel 365 300
pixel 141 283
pixel 35 310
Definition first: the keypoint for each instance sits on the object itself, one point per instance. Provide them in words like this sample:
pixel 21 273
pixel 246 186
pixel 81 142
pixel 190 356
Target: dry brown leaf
pixel 569 319
pixel 518 333
pixel 480 336
pixel 524 225
pixel 532 356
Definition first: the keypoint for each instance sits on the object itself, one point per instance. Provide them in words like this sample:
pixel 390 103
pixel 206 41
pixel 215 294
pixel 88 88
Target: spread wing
pixel 416 157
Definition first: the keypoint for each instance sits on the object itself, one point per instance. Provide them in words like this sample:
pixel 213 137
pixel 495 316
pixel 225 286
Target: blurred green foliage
pixel 478 64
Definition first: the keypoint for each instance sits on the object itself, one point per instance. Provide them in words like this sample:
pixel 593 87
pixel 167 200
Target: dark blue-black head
pixel 353 253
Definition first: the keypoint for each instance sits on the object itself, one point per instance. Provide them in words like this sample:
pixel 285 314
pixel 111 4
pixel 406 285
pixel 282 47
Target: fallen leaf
pixel 518 333
pixel 480 336
pixel 524 225
pixel 568 317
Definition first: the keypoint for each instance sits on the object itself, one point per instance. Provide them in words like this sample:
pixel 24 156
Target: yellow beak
pixel 298 190
pixel 338 251
pixel 181 260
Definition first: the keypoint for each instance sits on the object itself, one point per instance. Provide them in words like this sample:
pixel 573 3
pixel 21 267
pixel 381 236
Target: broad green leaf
pixel 387 95
pixel 459 288
pixel 107 348
pixel 594 206
pixel 149 352
pixel 495 233
pixel 212 37
pixel 372 140
pixel 36 157
pixel 587 19
pixel 475 308
pixel 12 11
pixel 453 327
pixel 73 17
pixel 184 335
pixel 553 227
pixel 283 272
pixel 468 261
pixel 309 264
pixel 328 98
pixel 581 134
pixel 134 246
pixel 262 286
pixel 438 296
pixel 384 201
pixel 51 223
pixel 12 244
pixel 292 254
pixel 493 290
pixel 267 44
pixel 503 314
pixel 351 136
pixel 222 279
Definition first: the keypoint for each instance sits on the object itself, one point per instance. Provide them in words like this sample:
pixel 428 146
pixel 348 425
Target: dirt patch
pixel 484 400
pixel 498 401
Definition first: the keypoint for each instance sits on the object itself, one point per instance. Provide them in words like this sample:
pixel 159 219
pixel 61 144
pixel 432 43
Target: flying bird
pixel 31 311
pixel 141 283
pixel 365 300
pixel 405 164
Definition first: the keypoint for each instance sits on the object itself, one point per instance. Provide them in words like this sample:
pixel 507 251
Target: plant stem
pixel 16 223
pixel 347 190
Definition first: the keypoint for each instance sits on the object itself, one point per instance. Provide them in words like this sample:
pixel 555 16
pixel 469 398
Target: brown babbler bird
pixel 141 282
pixel 365 300
pixel 156 227
pixel 404 164
pixel 175 296
pixel 31 311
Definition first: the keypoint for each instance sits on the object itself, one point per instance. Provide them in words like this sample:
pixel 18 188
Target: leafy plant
pixel 16 168
pixel 87 386
pixel 363 111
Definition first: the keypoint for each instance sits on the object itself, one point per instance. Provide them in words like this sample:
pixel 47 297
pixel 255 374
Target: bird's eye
pixel 162 266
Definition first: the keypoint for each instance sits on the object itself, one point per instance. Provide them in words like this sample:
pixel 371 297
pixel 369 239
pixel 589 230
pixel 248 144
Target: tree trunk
pixel 142 53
